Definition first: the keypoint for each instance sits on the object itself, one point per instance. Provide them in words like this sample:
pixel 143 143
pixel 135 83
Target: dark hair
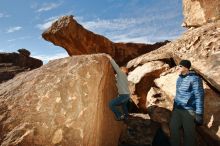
pixel 185 63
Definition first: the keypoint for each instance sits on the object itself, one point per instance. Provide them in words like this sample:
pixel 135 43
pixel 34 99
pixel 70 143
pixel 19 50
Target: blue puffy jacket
pixel 189 93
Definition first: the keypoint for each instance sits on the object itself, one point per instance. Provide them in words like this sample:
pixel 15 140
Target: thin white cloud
pixel 11 40
pixel 127 38
pixel 145 24
pixel 120 23
pixel 47 58
pixel 148 28
pixel 53 18
pixel 58 16
pixel 13 29
pixel 46 25
pixel 48 22
pixel 3 15
pixel 20 38
pixel 119 30
pixel 48 6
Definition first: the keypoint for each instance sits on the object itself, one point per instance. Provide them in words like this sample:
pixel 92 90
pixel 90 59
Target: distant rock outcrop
pixel 198 12
pixel 76 40
pixel 14 63
pixel 65 102
pixel 24 52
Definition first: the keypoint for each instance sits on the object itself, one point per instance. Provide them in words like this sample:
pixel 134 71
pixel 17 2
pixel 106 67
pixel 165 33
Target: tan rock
pixel 76 40
pixel 199 12
pixel 200 46
pixel 142 78
pixel 156 97
pixel 65 102
pixel 139 72
pixel 167 83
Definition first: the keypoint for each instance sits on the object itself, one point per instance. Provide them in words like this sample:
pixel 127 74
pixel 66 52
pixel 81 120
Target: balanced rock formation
pixel 198 12
pixel 14 63
pixel 65 102
pixel 200 46
pixel 76 40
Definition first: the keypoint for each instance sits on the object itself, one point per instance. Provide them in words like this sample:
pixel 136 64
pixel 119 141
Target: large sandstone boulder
pixel 14 63
pixel 167 83
pixel 65 102
pixel 76 40
pixel 198 12
pixel 200 46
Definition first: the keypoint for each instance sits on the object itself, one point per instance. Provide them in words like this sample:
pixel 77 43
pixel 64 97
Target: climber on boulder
pixel 123 92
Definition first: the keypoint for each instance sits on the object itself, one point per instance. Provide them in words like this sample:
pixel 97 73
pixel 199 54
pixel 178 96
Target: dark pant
pixel 122 101
pixel 182 119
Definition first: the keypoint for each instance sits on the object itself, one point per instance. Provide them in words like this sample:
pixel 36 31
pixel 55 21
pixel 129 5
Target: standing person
pixel 123 92
pixel 188 106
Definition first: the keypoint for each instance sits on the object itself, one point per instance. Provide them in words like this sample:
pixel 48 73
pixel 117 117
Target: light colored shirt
pixel 121 78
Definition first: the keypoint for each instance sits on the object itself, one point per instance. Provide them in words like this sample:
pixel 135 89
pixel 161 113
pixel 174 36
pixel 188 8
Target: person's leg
pixel 189 128
pixel 113 106
pixel 175 124
pixel 125 98
pixel 125 108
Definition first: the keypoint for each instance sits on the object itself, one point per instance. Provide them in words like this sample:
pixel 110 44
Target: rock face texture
pixel 198 12
pixel 142 78
pixel 76 40
pixel 65 102
pixel 14 63
pixel 200 46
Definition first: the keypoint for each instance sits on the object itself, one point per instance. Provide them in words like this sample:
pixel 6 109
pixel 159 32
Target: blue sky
pixel 143 21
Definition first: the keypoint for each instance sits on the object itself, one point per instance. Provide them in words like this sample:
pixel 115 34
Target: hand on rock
pixel 109 57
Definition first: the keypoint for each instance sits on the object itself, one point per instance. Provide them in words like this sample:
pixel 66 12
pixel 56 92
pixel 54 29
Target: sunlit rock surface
pixel 65 102
pixel 142 78
pixel 198 12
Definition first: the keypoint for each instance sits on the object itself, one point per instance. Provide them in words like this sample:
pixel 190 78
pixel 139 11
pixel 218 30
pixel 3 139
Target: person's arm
pixel 199 97
pixel 114 65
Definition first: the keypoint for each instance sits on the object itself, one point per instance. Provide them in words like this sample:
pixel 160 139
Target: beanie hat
pixel 185 63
